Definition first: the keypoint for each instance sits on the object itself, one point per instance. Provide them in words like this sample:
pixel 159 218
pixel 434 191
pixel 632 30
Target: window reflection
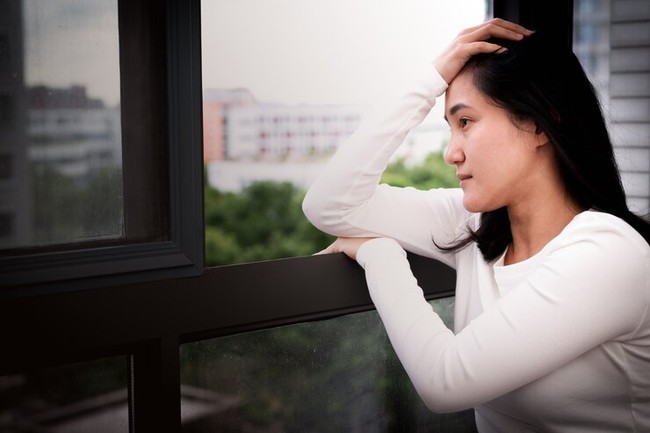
pixel 613 45
pixel 336 375
pixel 60 128
pixel 85 397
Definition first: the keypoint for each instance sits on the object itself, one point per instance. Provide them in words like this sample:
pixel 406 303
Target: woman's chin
pixel 476 206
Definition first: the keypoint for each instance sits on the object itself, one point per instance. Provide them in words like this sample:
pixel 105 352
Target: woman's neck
pixel 535 223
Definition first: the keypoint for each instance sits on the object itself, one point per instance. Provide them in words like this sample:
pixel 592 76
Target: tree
pixel 433 172
pixel 263 222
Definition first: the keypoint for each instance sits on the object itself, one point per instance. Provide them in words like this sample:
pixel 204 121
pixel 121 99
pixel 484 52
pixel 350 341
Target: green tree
pixel 263 222
pixel 433 172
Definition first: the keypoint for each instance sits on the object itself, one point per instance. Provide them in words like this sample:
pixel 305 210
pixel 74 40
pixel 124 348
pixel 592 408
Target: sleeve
pixel 592 289
pixel 346 199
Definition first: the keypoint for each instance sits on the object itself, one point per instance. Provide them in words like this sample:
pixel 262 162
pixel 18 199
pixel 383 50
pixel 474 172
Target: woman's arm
pixel 346 199
pixel 592 288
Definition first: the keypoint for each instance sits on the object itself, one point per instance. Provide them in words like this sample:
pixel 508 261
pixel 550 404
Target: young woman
pixel 552 320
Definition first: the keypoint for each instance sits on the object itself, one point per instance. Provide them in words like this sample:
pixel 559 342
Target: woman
pixel 552 320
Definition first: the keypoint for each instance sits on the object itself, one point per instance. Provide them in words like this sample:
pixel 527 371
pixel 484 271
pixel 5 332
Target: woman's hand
pixel 349 246
pixel 472 41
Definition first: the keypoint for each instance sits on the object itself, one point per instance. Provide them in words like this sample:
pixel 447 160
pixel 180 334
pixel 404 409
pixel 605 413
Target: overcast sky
pixel 285 51
pixel 73 42
pixel 324 51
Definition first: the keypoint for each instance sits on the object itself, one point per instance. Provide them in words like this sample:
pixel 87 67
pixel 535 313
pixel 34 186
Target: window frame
pixel 147 316
pixel 165 149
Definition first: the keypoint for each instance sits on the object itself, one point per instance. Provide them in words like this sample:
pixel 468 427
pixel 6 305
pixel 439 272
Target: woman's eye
pixel 463 122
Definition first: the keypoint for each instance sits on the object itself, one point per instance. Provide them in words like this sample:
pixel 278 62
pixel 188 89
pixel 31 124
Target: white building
pixel 280 132
pixel 72 133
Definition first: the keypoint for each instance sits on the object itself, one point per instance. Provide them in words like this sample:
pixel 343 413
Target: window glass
pixel 285 82
pixel 591 42
pixel 84 397
pixel 612 41
pixel 338 375
pixel 60 127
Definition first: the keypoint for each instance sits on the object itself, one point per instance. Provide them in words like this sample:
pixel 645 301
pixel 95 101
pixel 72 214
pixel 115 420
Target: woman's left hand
pixel 349 246
pixel 474 40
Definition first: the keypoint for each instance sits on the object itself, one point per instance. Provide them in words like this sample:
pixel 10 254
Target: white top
pixel 557 343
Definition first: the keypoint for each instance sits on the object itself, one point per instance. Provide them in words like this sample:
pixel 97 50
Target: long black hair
pixel 540 79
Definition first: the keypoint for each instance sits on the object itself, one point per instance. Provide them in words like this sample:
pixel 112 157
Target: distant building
pixel 71 132
pixel 215 104
pixel 280 132
pixel 246 141
pixel 236 127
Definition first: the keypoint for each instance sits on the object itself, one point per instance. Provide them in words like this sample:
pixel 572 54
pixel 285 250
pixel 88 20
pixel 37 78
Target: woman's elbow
pixel 318 212
pixel 440 399
pixel 441 404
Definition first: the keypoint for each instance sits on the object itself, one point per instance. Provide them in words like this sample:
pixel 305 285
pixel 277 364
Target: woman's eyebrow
pixel 455 108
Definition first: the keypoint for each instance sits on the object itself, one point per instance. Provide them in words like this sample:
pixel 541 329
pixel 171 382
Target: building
pixel 215 104
pixel 281 132
pixel 72 133
pixel 246 141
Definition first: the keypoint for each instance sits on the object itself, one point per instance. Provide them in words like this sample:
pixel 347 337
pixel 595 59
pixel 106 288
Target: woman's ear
pixel 542 139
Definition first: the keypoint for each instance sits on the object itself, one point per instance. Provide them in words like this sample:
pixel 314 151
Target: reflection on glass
pixel 591 42
pixel 76 398
pixel 337 375
pixel 285 82
pixel 60 131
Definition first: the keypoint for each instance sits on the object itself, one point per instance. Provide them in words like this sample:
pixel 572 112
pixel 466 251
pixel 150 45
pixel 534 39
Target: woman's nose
pixel 454 153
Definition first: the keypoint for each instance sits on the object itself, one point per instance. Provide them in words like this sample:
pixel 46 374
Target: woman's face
pixel 495 159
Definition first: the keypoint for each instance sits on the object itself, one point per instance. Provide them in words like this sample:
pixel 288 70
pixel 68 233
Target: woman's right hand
pixel 472 41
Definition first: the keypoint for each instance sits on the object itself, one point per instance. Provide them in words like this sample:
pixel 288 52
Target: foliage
pixel 433 172
pixel 333 375
pixel 263 222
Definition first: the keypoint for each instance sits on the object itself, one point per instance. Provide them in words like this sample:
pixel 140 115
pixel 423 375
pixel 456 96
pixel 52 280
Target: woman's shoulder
pixel 607 224
pixel 606 234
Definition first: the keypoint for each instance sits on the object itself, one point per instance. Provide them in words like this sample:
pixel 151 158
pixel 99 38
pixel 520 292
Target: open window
pixel 143 307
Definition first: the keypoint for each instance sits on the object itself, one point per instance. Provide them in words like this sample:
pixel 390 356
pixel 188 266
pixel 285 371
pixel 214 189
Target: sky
pixel 325 51
pixel 73 42
pixel 284 51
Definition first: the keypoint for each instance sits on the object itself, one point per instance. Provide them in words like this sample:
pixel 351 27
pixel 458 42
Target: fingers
pixel 498 28
pixel 329 250
pixel 334 247
pixel 348 246
pixel 473 41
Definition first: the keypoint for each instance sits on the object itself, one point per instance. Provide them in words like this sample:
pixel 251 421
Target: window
pixel 98 187
pixel 151 321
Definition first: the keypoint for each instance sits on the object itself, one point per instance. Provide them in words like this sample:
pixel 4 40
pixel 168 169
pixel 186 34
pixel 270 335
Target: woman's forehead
pixel 462 93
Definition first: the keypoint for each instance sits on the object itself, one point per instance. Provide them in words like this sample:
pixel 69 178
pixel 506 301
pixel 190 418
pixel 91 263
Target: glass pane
pixel 612 41
pixel 338 375
pixel 285 81
pixel 591 43
pixel 76 398
pixel 60 128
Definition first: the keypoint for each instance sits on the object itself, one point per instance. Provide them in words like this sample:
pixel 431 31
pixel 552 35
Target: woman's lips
pixel 463 177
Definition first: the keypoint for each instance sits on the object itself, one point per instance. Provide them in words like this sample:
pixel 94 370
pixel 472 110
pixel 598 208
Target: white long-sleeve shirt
pixel 557 343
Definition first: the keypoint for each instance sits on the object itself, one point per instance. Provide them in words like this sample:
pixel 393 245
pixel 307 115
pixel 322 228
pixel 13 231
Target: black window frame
pixel 147 317
pixel 162 166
